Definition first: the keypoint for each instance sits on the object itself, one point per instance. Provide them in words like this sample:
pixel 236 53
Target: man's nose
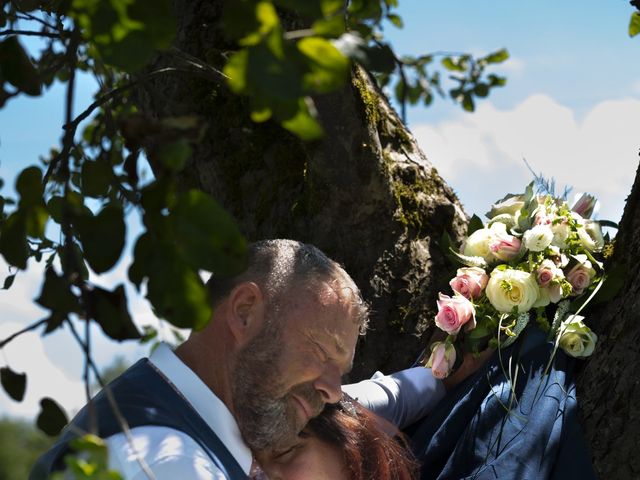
pixel 329 384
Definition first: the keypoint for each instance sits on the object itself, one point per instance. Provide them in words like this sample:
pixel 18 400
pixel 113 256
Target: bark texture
pixel 366 195
pixel 609 385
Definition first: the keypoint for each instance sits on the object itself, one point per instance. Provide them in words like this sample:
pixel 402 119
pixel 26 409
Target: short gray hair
pixel 279 266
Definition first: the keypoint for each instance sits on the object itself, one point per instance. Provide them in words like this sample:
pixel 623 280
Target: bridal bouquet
pixel 535 260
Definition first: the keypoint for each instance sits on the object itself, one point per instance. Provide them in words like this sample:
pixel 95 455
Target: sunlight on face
pixel 309 459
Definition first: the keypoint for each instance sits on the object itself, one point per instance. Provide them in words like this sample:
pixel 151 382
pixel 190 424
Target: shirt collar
pixel 212 410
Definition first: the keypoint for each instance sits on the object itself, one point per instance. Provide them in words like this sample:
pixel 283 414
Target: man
pixel 282 335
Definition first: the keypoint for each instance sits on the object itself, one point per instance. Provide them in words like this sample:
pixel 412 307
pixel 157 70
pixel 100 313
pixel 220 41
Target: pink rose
pixel 454 312
pixel 442 359
pixel 546 272
pixel 581 274
pixel 469 282
pixel 505 247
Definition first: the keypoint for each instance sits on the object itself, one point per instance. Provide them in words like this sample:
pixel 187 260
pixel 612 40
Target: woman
pixel 346 442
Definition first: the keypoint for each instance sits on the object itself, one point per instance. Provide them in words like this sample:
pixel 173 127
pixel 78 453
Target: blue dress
pixel 516 418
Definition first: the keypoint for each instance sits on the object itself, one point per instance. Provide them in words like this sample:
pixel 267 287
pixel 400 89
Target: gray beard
pixel 265 417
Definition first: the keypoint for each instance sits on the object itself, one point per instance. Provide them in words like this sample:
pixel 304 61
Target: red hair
pixel 372 447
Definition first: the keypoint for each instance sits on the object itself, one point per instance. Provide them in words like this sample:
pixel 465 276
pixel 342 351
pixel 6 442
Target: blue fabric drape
pixel 513 419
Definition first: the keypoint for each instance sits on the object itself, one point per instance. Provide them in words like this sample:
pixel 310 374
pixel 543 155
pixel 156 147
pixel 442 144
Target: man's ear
pixel 246 311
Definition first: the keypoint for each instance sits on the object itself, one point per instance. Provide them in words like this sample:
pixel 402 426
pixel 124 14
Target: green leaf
pixel 56 295
pixel 96 178
pixel 236 71
pixel 143 256
pixel 16 67
pixel 130 53
pixel 207 235
pixel 109 309
pixel 176 291
pixel 249 21
pixel 102 237
pixel 52 418
pixel 481 90
pixel 13 383
pixel 328 67
pixel 395 20
pixel 271 73
pixel 13 241
pixel 158 19
pixel 35 221
pixel 452 65
pixel 8 281
pixel 634 24
pixel 55 206
pixel 474 224
pixel 303 124
pixel 497 57
pixel 496 81
pixel 311 9
pixel 29 186
pixel 332 27
pixel 175 155
pixel 467 102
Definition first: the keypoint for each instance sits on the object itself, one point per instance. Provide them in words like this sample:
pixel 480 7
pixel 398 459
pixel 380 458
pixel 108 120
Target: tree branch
pixel 31 327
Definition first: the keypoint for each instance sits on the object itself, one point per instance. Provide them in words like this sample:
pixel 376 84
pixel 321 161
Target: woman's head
pixel 346 442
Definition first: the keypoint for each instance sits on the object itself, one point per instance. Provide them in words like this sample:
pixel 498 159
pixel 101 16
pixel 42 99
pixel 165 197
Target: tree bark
pixel 366 194
pixel 609 385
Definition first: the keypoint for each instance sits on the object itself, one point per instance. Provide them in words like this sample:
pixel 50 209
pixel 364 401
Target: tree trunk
pixel 609 385
pixel 366 195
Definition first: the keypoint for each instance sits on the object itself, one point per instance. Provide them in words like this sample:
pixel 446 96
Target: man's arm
pixel 402 397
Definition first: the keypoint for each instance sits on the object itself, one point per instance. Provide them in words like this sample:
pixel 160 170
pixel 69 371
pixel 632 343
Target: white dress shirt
pixel 169 453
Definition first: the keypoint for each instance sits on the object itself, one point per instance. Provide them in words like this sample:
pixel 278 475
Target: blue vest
pixel 144 398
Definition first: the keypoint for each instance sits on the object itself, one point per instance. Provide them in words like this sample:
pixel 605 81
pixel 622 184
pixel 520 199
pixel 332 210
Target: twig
pixel 31 327
pixel 29 33
pixel 27 16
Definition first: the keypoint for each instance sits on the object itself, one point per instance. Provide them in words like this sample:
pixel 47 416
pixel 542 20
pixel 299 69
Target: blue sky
pixel 570 107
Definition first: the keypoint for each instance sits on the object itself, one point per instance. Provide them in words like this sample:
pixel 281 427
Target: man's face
pixel 287 373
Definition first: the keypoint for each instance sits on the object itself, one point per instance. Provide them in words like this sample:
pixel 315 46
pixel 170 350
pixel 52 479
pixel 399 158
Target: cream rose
pixel 576 339
pixel 477 245
pixel 512 288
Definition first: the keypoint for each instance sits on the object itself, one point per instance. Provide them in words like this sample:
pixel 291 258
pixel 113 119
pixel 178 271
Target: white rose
pixel 477 245
pixel 560 234
pixel 591 236
pixel 543 298
pixel 512 288
pixel 537 238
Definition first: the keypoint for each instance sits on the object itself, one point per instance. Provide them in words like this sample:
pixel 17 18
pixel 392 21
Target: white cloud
pixel 481 155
